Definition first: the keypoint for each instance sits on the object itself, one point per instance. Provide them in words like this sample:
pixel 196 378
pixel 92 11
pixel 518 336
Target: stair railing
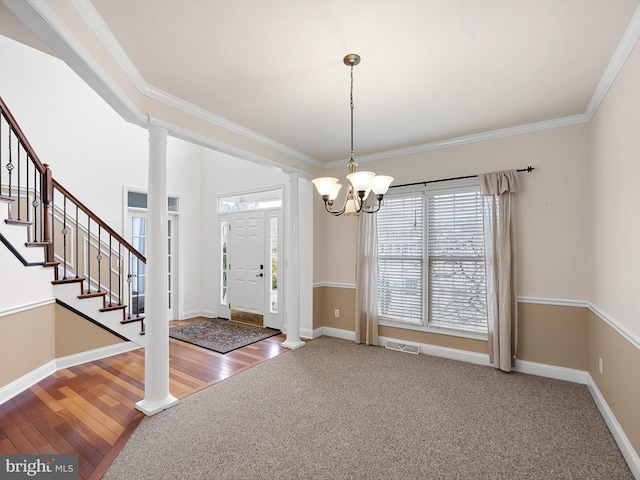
pixel 78 243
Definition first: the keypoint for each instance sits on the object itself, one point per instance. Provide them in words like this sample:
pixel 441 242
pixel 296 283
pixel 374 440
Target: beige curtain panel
pixel 498 189
pixel 367 280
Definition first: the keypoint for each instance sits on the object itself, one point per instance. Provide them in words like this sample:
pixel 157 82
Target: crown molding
pixel 622 52
pixel 209 142
pixel 466 139
pixel 42 19
pixel 209 117
pixel 93 19
pixel 620 55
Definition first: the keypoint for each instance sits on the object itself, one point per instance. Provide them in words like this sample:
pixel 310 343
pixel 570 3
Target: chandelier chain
pixel 351 104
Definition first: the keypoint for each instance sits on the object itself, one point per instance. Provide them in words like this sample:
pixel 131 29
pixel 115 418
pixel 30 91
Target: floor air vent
pixel 402 347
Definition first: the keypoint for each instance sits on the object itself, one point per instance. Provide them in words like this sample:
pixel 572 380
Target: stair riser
pixel 17 237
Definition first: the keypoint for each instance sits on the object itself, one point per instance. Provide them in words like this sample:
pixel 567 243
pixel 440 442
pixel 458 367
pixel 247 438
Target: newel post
pixel 46 194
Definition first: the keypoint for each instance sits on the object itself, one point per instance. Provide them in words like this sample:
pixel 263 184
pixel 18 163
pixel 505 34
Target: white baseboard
pixel 451 353
pixel 197 313
pixel 21 384
pixel 306 333
pixel 335 332
pixel 318 333
pixel 443 352
pixel 551 371
pixel 628 452
pixel 97 354
pixel 27 381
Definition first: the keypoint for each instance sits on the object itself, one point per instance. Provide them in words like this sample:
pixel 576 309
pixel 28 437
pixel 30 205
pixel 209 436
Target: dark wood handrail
pixel 98 220
pixel 51 182
pixel 55 220
pixel 23 139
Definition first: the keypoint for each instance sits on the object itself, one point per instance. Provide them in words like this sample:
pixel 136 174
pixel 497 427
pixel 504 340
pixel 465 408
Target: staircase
pixel 95 272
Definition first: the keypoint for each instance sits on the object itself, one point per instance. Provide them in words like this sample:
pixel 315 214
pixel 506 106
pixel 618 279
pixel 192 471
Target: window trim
pixel 453 186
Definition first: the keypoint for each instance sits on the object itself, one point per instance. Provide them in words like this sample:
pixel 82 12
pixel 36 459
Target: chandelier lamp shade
pixel 359 184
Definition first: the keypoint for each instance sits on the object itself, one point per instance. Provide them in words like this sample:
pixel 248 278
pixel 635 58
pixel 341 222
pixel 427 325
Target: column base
pixel 292 344
pixel 151 408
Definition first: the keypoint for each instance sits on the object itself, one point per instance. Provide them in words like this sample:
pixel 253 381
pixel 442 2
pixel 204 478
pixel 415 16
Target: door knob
pixel 260 275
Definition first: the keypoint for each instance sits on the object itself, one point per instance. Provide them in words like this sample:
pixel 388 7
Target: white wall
pixel 94 153
pixel 615 198
pixel 35 282
pixel 222 175
pixel 552 219
pixel 72 129
pixel 184 181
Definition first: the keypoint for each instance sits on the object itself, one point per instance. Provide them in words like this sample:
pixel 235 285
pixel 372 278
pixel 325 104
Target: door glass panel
pixel 137 287
pixel 223 262
pixel 169 262
pixel 250 201
pixel 273 242
pixel 137 200
pixel 137 284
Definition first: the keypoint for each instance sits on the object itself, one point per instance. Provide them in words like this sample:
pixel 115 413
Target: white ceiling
pixel 431 70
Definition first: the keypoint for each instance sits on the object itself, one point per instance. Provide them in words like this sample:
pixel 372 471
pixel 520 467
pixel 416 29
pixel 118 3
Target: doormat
pixel 219 335
pixel 245 317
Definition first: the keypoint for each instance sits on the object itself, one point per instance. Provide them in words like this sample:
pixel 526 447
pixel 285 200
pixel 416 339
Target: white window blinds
pixel 400 259
pixel 456 261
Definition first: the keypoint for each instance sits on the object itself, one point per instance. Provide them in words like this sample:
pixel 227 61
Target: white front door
pixel 246 262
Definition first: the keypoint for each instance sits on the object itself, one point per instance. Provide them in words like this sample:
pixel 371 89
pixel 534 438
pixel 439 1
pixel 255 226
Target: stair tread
pixel 4 198
pixel 10 221
pixel 92 295
pixel 67 280
pixel 131 320
pixel 37 244
pixel 113 307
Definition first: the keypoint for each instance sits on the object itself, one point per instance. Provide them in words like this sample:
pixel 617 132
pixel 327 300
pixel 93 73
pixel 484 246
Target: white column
pixel 292 255
pixel 156 354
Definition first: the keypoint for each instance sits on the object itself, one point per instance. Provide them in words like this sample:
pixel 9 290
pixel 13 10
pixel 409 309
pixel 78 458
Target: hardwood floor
pixel 89 409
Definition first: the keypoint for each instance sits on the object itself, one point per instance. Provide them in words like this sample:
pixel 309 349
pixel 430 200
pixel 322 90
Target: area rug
pixel 219 335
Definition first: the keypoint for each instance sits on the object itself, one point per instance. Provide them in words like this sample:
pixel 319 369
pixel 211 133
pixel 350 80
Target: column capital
pixel 157 133
pixel 293 176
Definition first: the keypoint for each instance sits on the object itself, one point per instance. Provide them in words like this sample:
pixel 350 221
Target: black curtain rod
pixel 528 169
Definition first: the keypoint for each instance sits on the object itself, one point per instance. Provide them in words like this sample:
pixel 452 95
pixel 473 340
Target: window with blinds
pixel 442 260
pixel 456 261
pixel 400 259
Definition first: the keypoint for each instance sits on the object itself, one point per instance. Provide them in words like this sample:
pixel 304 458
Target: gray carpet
pixel 336 410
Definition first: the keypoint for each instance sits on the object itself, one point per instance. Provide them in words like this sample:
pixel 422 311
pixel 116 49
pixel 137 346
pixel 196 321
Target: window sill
pixel 452 332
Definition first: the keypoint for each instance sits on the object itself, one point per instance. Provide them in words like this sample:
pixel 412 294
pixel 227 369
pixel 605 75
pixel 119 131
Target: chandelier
pixel 360 184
